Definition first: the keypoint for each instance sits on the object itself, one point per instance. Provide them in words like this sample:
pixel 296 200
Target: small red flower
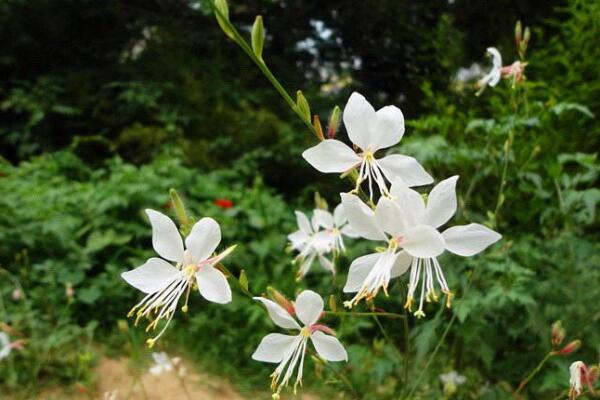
pixel 223 203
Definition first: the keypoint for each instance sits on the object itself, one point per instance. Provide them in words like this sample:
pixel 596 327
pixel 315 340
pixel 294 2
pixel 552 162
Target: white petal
pixel 361 218
pixel 203 239
pixel 496 57
pixel 278 314
pixel 441 203
pixel 467 240
pixel 423 241
pixel 327 264
pixel 213 285
pixel 298 239
pixel 303 222
pixel 322 241
pixel 322 219
pixel 410 201
pixel 152 276
pixel 309 307
pixel 165 236
pixel 273 347
pixel 387 128
pixel 390 217
pixel 349 232
pixel 338 216
pixel 358 117
pixel 359 269
pixel 328 347
pixel 402 264
pixel 330 156
pixel 398 166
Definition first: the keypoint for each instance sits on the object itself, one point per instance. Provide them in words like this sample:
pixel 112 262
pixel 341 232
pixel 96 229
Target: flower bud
pixel 303 106
pixel 569 348
pixel 518 33
pixel 17 294
pixel 258 37
pixel 243 280
pixel 558 334
pixel 122 325
pixel 281 300
pixel 222 14
pixel 332 303
pixel 320 202
pixel 318 127
pixel 177 204
pixel 334 122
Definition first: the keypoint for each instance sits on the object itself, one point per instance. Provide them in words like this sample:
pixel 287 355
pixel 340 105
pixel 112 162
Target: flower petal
pixel 361 218
pixel 398 166
pixel 278 314
pixel 401 265
pixel 322 219
pixel 165 236
pixel 339 218
pixel 309 307
pixel 387 128
pixel 423 241
pixel 327 264
pixel 331 156
pixel 298 239
pixel 203 239
pixel 496 57
pixel 390 217
pixel 441 203
pixel 410 201
pixel 303 222
pixel 467 240
pixel 328 347
pixel 359 269
pixel 213 285
pixel 358 117
pixel 273 347
pixel 152 276
pixel 349 232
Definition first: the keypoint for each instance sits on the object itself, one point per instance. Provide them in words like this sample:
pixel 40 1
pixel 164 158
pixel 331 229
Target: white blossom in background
pixel 453 377
pixel 162 363
pixel 318 237
pixel 410 228
pixel 369 131
pixel 5 345
pixel 493 77
pixel 581 375
pixel 195 264
pixel 289 350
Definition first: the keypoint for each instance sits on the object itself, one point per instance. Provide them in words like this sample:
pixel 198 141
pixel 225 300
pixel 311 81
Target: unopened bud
pixel 558 334
pixel 569 348
pixel 179 208
pixel 320 202
pixel 518 33
pixel 334 122
pixel 303 106
pixel 122 325
pixel 332 303
pixel 69 291
pixel 281 300
pixel 222 15
pixel 243 280
pixel 258 37
pixel 318 128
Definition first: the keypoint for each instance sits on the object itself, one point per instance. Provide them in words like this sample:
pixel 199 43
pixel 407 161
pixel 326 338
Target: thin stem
pixel 406 350
pixel 337 373
pixel 365 314
pixel 240 41
pixel 537 369
pixel 440 342
pixel 183 385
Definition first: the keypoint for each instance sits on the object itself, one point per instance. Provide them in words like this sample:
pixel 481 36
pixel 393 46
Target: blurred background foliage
pixel 104 106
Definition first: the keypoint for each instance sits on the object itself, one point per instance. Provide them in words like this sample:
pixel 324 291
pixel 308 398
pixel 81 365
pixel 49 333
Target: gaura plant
pixel 381 206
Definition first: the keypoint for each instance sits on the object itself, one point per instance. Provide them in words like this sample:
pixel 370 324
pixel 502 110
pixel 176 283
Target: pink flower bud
pixel 558 334
pixel 569 348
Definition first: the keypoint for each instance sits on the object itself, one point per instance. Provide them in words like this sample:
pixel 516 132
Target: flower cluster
pixel 316 238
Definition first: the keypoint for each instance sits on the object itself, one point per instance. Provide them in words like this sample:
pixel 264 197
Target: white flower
pixel 5 345
pixel 493 77
pixel 288 350
pixel 162 363
pixel 164 283
pixel 370 131
pixel 453 377
pixel 406 223
pixel 575 371
pixel 311 241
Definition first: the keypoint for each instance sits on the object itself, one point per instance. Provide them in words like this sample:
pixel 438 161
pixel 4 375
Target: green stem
pixel 240 41
pixel 537 369
pixel 439 343
pixel 366 314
